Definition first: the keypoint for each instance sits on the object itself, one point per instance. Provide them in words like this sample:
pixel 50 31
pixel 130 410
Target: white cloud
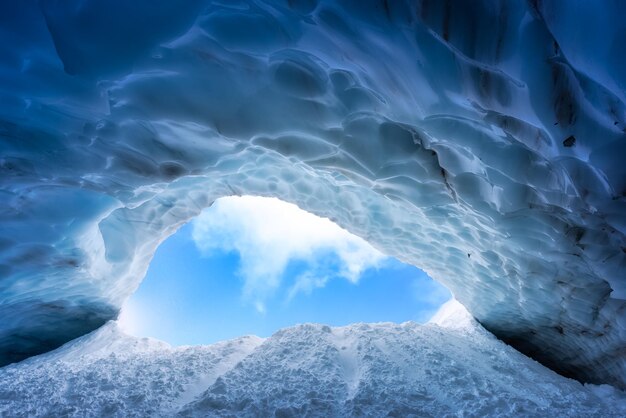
pixel 307 282
pixel 269 233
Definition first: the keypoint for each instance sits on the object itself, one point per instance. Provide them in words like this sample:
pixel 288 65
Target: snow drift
pixel 307 370
pixel 482 141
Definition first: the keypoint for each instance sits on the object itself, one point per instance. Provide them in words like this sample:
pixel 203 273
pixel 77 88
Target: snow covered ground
pixel 448 367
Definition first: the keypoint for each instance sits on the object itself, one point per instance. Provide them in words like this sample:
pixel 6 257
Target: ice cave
pixel 482 141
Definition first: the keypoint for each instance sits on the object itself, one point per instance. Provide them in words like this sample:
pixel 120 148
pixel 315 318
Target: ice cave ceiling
pixel 483 141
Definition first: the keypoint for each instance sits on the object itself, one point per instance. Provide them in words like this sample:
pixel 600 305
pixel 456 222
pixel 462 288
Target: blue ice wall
pixel 482 141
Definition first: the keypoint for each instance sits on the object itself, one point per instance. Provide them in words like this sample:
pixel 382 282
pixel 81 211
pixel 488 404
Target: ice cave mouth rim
pixel 122 314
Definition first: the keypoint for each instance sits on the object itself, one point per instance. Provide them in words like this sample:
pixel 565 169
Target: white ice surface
pixel 450 367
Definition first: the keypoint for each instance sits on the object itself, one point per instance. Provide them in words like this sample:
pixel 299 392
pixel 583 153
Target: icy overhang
pixel 481 141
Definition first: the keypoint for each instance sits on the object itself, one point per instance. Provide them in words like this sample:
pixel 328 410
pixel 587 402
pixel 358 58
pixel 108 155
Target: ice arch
pixel 482 141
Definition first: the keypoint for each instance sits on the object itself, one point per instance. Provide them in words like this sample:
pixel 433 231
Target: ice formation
pixel 449 368
pixel 483 141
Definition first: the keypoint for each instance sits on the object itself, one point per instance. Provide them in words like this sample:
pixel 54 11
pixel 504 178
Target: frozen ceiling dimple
pixel 482 141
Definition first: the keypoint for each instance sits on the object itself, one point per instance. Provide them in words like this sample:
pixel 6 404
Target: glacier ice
pixel 482 141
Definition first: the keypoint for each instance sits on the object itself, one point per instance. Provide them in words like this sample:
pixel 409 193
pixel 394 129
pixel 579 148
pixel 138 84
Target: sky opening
pixel 253 265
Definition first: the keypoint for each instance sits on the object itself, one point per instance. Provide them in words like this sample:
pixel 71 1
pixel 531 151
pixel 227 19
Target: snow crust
pixel 453 315
pixel 482 141
pixel 385 369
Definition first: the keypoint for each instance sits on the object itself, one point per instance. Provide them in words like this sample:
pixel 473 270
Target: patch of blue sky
pixel 201 285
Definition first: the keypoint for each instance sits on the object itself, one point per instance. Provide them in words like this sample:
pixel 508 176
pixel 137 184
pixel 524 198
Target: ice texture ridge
pixel 483 141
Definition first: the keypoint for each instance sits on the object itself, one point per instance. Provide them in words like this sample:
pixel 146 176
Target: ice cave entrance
pixel 253 265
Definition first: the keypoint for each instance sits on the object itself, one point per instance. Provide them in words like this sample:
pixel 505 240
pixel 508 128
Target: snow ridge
pixel 445 369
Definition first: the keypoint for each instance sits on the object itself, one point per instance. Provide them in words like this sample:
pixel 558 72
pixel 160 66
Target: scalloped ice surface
pixel 482 141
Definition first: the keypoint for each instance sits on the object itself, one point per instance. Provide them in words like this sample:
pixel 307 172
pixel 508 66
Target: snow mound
pixel 308 370
pixel 482 141
pixel 453 315
pixel 109 373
